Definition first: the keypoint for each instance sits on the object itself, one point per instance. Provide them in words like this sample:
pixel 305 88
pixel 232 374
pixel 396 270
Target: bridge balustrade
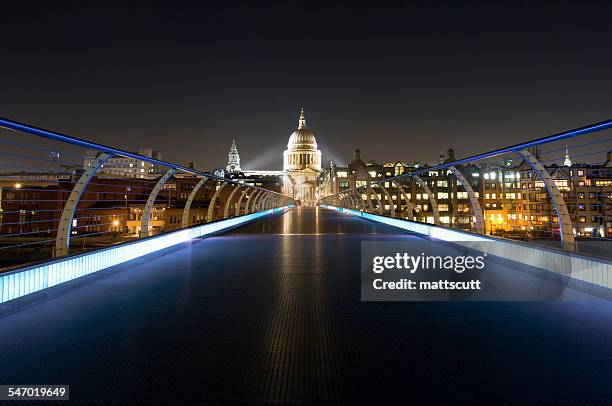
pixel 555 191
pixel 61 196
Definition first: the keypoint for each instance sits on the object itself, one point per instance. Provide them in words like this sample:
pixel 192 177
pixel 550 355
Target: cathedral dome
pixel 302 139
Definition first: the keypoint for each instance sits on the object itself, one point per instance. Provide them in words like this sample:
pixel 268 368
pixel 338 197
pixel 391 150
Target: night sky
pixel 400 81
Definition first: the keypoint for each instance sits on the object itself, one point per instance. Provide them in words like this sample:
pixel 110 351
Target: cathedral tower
pixel 233 160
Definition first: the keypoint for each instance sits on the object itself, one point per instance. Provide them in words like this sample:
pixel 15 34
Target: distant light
pixel 115 223
pixel 17 185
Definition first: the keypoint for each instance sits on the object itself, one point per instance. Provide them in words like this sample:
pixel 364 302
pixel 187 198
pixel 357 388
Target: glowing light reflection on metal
pixel 35 278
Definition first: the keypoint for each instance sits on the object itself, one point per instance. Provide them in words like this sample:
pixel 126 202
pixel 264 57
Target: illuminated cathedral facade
pixel 302 165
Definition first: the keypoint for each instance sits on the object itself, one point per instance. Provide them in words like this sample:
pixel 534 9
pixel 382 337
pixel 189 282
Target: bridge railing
pixel 554 191
pixel 61 195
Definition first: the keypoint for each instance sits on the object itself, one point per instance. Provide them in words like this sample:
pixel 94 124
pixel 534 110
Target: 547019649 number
pixel 34 392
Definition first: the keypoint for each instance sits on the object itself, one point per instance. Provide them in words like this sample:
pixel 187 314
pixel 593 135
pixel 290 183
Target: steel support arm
pixel 404 195
pixel 192 195
pixel 229 201
pixel 213 201
pixel 240 199
pixel 263 203
pixel 257 203
pixel 251 201
pixel 568 241
pixel 369 197
pixel 432 199
pixel 389 199
pixel 62 239
pixel 359 199
pixel 378 200
pixel 273 202
pixel 146 212
pixel 476 209
pixel 349 200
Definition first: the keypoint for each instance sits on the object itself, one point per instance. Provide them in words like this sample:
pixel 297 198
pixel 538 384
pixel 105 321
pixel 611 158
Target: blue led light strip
pixel 24 281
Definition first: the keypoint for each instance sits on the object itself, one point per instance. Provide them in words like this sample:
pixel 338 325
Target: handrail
pixel 571 223
pixel 22 220
pixel 17 126
pixel 603 125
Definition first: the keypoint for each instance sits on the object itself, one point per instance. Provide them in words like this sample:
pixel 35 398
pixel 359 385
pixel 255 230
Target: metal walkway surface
pixel 271 313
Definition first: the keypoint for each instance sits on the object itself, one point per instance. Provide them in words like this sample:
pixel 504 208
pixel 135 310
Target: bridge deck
pixel 272 312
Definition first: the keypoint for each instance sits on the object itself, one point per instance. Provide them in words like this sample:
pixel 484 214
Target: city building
pixel 302 165
pixel 127 167
pixel 513 199
pixel 299 177
pixel 267 179
pixel 512 196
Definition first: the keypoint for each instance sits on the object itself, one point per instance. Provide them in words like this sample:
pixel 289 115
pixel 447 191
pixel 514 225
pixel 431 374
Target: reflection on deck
pixel 271 312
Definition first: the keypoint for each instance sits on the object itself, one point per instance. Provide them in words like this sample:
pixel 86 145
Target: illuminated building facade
pixel 514 200
pixel 302 165
pixel 127 167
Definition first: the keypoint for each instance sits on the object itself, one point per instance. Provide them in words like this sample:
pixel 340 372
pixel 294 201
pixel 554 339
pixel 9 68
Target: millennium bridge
pixel 245 295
